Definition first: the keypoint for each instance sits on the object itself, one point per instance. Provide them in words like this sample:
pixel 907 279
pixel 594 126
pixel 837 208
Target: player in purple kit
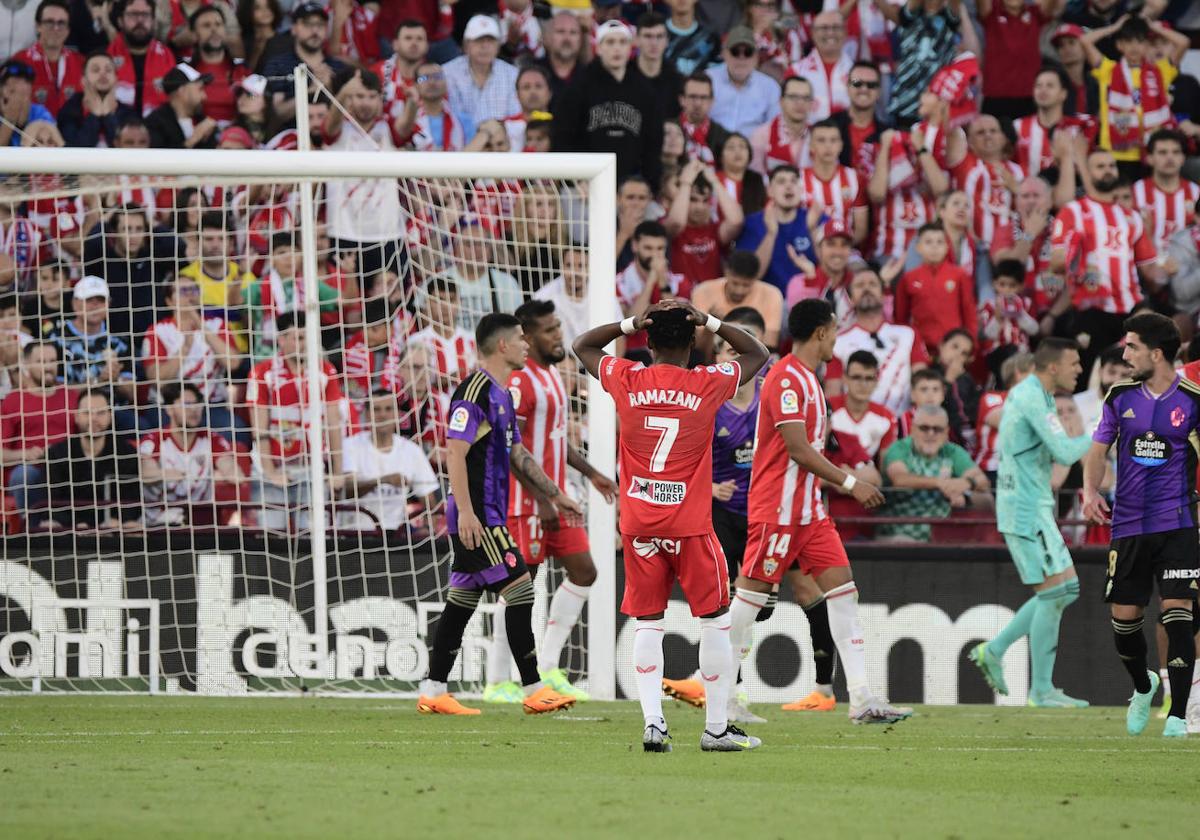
pixel 1152 419
pixel 483 444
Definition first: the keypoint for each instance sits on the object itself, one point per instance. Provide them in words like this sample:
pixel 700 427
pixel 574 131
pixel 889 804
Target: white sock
pixel 743 610
pixel 1166 683
pixel 565 607
pixel 1194 697
pixel 499 659
pixel 716 658
pixel 431 688
pixel 648 665
pixel 847 632
pixel 827 690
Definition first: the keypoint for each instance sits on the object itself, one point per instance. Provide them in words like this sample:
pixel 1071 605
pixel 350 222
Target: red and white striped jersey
pixel 897 220
pixel 984 184
pixel 987 456
pixel 164 340
pixel 1112 243
pixel 1035 146
pixel 1166 212
pixel 21 239
pixel 876 429
pixel 450 357
pixel 838 196
pixel 196 463
pixel 284 394
pixel 1008 330
pixel 896 348
pixel 781 493
pixel 540 399
pixel 395 86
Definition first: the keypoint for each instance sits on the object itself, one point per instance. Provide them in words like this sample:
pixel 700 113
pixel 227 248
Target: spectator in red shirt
pixel 1011 53
pixel 141 60
pixel 31 420
pixel 213 58
pixel 937 296
pixel 697 240
pixel 58 68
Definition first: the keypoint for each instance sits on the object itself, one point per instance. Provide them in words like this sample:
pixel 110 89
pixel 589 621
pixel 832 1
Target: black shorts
pixel 1172 558
pixel 492 565
pixel 730 529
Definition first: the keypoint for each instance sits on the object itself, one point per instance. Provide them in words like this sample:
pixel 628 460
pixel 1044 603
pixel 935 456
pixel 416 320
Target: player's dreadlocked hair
pixel 671 329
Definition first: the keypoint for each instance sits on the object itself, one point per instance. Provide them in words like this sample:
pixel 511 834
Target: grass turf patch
pixel 135 767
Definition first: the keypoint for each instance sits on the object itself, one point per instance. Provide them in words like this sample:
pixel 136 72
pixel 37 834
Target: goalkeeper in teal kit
pixel 1031 439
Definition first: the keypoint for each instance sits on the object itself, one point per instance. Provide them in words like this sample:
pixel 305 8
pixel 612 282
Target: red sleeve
pixel 919 355
pixel 1001 240
pixel 860 200
pixel 969 314
pixel 521 391
pixel 903 305
pixel 256 387
pixel 833 369
pixel 153 349
pixel 1143 248
pixel 960 171
pixel 10 418
pixel 612 374
pixel 333 390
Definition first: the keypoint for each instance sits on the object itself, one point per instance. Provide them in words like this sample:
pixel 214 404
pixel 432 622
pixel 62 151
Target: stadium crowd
pixel 959 180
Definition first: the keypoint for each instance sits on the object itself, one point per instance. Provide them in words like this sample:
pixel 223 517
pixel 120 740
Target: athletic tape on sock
pixel 519 593
pixel 468 598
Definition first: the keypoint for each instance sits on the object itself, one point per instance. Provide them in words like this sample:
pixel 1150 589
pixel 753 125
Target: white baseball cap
pixel 91 286
pixel 254 84
pixel 612 27
pixel 481 26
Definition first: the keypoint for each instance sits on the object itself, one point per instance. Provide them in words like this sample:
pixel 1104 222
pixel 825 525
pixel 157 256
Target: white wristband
pixel 712 324
pixel 848 484
pixel 627 326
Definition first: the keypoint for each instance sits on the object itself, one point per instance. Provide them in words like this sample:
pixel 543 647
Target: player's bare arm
pixel 1095 509
pixel 470 530
pixel 801 451
pixel 538 482
pixel 752 353
pixel 606 486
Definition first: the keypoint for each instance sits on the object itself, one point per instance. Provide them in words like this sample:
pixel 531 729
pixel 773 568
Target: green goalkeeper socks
pixel 1043 633
pixel 1017 627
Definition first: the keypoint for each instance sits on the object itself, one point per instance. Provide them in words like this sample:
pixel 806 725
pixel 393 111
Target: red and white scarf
pixel 902 160
pixel 779 147
pixel 1134 114
pixel 453 139
pixel 696 140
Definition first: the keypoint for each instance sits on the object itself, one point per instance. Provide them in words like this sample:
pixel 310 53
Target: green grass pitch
pixel 133 767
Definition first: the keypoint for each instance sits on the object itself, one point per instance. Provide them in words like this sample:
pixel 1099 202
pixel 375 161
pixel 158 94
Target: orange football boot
pixel 443 704
pixel 815 702
pixel 546 700
pixel 689 691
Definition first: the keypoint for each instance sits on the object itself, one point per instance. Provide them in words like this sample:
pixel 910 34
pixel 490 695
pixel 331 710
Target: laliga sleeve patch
pixel 789 403
pixel 459 419
pixel 726 368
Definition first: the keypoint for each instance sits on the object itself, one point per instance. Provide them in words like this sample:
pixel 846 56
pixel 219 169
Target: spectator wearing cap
pixel 927 37
pixel 830 277
pixel 90 118
pixel 142 61
pixel 92 355
pixel 32 419
pixel 650 45
pixel 827 67
pixel 58 69
pixel 309 30
pixel 1084 92
pixel 180 123
pixel 692 46
pixel 1096 14
pixel 480 85
pixel 609 109
pixel 1012 54
pixel 564 57
pixel 740 286
pixel 212 57
pixel 743 97
pixel 25 123
pixel 254 113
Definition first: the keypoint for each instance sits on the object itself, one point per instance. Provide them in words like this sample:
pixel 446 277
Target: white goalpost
pixel 235 575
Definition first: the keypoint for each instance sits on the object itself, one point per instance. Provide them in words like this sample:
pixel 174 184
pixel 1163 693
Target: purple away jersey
pixel 481 413
pixel 733 450
pixel 1156 444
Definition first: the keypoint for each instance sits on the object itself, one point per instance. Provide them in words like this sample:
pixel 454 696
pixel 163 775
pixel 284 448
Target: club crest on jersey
pixel 1149 450
pixel 1177 416
pixel 459 419
pixel 656 492
pixel 789 403
pixel 770 565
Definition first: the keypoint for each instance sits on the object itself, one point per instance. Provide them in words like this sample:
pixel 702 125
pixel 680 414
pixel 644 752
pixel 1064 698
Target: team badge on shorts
pixel 510 559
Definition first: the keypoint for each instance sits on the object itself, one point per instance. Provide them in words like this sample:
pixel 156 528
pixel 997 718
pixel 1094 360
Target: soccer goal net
pixel 226 378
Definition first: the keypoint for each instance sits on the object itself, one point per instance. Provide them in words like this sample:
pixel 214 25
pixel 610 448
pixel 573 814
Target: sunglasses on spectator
pixel 431 77
pixel 742 51
pixel 932 430
pixel 863 83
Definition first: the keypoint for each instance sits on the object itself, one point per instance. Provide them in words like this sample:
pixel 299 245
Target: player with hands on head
pixel 667 414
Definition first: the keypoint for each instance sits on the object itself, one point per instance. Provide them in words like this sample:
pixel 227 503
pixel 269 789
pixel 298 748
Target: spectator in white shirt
pixel 743 97
pixel 481 287
pixel 482 87
pixel 568 292
pixel 384 471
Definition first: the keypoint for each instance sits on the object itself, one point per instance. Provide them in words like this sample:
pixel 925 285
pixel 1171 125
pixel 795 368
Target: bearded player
pixel 790 531
pixel 540 399
pixel 667 414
